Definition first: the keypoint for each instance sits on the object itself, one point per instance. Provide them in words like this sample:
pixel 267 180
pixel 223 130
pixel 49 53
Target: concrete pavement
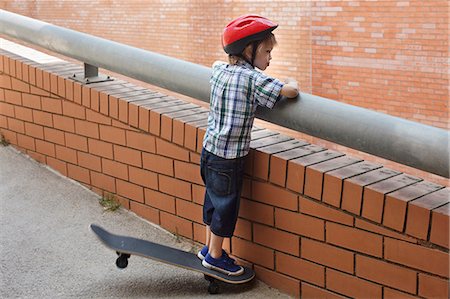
pixel 48 251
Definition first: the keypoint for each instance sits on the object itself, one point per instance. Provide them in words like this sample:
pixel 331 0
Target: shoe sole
pixel 200 256
pixel 212 267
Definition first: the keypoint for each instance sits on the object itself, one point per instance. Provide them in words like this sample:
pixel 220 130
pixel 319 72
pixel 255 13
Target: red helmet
pixel 244 30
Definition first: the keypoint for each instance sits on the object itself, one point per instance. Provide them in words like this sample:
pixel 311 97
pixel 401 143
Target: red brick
pixel 276 239
pixel 189 210
pixel 144 119
pixel 115 169
pixel 158 164
pixel 127 155
pixel 146 212
pixel 24 114
pixel 95 100
pixel 98 118
pixel 296 167
pixel 352 286
pixel 176 225
pixel 42 118
pixel 312 292
pixel 76 142
pixel 417 257
pixel 314 174
pixel 89 161
pixel 86 128
pixel 64 123
pixel 313 208
pixel 31 101
pixel 243 229
pixel 352 193
pixel 34 130
pixel 433 287
pixel 141 141
pixel 170 150
pixel 143 177
pixel 300 268
pixel 53 83
pixel 198 194
pixel 253 253
pixel 104 182
pixel 188 172
pixel 61 87
pixel 74 110
pixel 69 90
pixel 51 105
pixel 175 187
pixel 395 207
pixel 55 136
pixel 79 174
pixel 57 165
pixel 300 224
pixel 16 125
pixel 394 294
pixel 368 226
pixel 112 134
pixel 160 200
pixel 131 191
pixel 26 142
pixel 13 97
pixel 419 211
pixel 279 281
pixel 256 212
pixel 354 239
pixel 66 154
pixel 440 226
pixel 45 148
pixel 85 96
pixel 100 148
pixel 333 181
pixel 374 195
pixel 386 274
pixel 278 162
pixel 327 255
pixel 21 86
pixel 274 195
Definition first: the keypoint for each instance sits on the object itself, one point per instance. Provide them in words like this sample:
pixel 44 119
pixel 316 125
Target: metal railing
pixel 403 141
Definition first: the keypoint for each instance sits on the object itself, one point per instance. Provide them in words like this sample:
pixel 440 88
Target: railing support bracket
pixel 90 75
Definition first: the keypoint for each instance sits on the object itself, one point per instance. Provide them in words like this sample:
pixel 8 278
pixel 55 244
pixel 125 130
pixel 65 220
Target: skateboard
pixel 126 246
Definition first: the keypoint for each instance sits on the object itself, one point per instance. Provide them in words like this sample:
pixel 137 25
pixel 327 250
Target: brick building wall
pixel 313 222
pixel 390 56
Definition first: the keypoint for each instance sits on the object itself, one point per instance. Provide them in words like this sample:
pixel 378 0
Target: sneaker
pixel 202 253
pixel 224 264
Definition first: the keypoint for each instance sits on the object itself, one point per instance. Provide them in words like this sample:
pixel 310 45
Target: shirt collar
pixel 245 64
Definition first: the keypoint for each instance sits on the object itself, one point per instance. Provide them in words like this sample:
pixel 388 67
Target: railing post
pixel 90 75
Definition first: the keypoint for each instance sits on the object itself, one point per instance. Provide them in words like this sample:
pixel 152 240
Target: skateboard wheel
pixel 213 288
pixel 122 261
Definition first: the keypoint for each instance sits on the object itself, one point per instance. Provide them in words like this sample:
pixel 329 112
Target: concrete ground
pixel 48 251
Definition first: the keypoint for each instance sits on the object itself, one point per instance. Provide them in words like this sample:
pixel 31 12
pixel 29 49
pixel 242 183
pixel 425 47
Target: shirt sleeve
pixel 267 90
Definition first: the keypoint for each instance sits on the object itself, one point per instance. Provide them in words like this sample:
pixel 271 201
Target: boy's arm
pixel 290 89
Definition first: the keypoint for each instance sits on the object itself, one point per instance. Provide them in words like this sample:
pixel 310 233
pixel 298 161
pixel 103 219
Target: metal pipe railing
pixel 406 142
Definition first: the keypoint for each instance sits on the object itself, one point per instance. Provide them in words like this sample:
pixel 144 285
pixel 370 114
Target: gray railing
pixel 406 142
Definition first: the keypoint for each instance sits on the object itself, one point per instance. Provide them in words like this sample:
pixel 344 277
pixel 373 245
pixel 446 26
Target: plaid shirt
pixel 236 90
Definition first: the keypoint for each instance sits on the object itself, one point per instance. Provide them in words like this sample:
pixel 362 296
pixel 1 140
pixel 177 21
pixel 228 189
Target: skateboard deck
pixel 126 246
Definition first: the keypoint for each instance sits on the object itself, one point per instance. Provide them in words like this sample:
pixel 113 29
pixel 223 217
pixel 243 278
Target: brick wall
pixel 313 222
pixel 390 56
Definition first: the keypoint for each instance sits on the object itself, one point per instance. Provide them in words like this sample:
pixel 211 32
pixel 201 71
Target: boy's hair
pixel 270 39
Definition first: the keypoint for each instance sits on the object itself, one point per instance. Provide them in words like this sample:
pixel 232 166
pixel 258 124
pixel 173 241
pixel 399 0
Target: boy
pixel 236 90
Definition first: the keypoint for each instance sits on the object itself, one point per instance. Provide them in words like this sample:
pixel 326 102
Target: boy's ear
pixel 248 51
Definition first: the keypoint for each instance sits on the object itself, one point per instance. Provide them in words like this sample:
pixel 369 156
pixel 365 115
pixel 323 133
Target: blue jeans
pixel 223 180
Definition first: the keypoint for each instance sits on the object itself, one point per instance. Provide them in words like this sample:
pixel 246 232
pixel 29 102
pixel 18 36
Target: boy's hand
pixel 290 89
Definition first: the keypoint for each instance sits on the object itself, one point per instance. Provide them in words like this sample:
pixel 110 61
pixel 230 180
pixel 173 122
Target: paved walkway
pixel 48 251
